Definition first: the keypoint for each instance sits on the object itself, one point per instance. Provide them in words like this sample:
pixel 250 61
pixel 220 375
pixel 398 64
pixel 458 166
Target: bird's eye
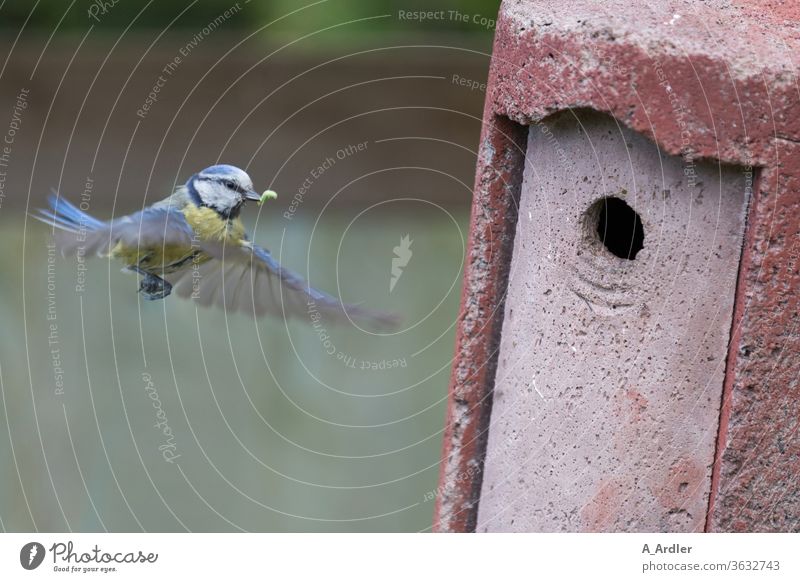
pixel 229 184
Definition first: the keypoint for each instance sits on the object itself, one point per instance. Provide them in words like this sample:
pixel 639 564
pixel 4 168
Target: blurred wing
pixel 247 278
pixel 151 227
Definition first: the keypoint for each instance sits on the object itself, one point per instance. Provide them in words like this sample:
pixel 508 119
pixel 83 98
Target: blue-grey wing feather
pixel 154 226
pixel 249 279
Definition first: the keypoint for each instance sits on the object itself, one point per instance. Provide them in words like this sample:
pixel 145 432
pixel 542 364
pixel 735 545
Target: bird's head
pixel 223 188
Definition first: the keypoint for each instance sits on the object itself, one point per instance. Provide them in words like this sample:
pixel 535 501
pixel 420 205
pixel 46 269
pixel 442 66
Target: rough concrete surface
pixel 492 227
pixel 609 381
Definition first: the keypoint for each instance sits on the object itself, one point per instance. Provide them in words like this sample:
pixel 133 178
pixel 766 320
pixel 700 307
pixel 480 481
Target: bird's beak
pixel 250 195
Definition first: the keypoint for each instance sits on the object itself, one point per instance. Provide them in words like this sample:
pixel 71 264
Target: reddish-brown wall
pixel 716 79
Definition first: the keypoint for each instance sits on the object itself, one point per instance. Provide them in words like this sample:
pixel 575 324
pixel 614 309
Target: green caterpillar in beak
pixel 267 195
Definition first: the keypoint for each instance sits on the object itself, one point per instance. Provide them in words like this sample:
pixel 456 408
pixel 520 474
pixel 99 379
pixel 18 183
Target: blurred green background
pixel 273 433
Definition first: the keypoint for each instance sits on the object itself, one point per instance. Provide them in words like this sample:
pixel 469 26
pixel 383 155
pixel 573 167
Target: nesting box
pixel 628 350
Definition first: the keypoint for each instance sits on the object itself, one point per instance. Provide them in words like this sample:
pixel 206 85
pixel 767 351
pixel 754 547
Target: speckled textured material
pixel 714 80
pixel 609 381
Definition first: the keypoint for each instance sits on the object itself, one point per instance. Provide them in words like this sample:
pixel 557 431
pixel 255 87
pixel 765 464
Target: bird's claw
pixel 153 287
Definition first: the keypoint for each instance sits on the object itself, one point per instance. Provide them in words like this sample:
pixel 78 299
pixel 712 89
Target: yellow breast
pixel 155 256
pixel 208 225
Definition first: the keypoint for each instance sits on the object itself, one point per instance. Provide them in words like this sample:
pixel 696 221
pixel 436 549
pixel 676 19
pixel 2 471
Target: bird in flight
pixel 194 243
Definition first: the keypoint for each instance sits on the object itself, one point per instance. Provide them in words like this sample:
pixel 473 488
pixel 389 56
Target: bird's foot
pixel 153 287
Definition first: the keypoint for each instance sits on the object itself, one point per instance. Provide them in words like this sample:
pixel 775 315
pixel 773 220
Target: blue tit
pixel 193 242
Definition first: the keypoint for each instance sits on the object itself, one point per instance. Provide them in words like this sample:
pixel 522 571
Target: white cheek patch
pixel 215 195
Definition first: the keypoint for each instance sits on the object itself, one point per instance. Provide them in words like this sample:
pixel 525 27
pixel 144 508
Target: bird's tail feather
pixel 66 216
